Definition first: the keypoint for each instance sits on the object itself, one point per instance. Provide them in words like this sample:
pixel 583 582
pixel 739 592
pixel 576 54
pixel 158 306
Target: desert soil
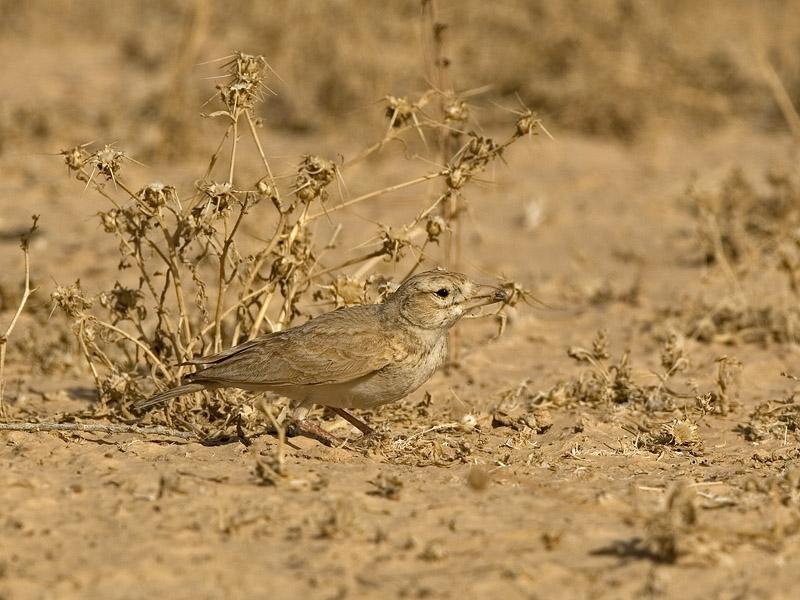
pixel 497 478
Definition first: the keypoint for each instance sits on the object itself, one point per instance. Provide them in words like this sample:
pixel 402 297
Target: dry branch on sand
pixel 25 245
pixel 95 428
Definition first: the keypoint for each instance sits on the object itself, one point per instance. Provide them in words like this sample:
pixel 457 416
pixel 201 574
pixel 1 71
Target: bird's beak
pixel 485 294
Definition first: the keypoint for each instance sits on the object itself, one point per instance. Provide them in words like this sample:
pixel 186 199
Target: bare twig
pixel 386 190
pixel 156 361
pixel 280 453
pixel 234 144
pixel 25 245
pixel 256 139
pixel 719 254
pixel 222 284
pixel 37 427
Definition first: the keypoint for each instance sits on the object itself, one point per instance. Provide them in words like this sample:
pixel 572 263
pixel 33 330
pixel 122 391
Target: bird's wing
pixel 337 347
pixel 228 352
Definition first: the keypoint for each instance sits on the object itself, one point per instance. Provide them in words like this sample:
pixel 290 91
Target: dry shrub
pixel 743 226
pixel 780 503
pixel 749 236
pixel 612 383
pixel 659 417
pixel 773 420
pixel 190 284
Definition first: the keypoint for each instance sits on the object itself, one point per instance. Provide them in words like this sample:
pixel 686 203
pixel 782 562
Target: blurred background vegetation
pixel 614 68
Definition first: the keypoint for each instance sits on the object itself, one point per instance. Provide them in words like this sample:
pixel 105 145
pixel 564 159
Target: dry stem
pixel 24 244
pixel 37 427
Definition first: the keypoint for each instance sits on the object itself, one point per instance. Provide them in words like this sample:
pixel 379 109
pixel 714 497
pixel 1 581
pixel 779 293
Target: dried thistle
pixel 434 227
pixel 156 195
pixel 246 83
pixel 107 161
pixel 680 432
pixel 526 124
pixel 120 388
pixel 124 303
pixel 395 242
pixel 71 300
pixel 456 110
pixel 400 111
pixel 313 175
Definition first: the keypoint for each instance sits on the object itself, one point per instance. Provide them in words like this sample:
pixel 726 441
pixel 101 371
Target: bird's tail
pixel 186 388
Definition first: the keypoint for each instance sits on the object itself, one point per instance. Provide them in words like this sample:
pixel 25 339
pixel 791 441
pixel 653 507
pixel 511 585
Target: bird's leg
pixel 317 431
pixel 357 423
pixel 300 421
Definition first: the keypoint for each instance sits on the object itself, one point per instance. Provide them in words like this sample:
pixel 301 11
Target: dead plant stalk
pixel 27 291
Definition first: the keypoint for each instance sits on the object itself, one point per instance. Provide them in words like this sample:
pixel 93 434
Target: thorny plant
pixel 777 419
pixel 682 431
pixel 613 385
pixel 749 235
pixel 197 290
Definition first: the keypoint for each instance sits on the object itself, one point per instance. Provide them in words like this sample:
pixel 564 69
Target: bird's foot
pixel 368 441
pixel 369 437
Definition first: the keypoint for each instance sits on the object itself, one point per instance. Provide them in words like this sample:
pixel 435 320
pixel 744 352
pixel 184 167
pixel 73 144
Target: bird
pixel 360 356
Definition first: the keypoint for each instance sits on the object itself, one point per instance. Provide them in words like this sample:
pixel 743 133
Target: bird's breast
pixel 389 384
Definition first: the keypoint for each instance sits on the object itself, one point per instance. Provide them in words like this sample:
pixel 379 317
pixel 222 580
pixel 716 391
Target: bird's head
pixel 438 299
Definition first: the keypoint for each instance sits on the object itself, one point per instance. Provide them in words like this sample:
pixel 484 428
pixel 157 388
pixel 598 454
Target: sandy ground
pixel 505 474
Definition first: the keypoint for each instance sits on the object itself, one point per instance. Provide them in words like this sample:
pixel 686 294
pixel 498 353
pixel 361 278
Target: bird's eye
pixel 442 293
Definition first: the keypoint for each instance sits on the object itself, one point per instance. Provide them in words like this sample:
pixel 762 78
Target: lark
pixel 355 357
